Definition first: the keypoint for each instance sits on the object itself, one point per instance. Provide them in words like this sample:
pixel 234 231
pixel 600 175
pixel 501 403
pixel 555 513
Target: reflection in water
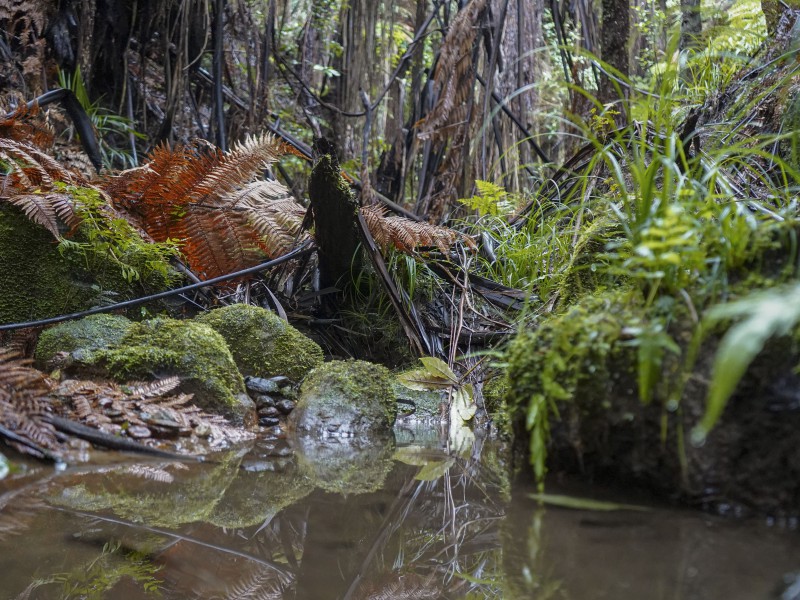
pixel 375 521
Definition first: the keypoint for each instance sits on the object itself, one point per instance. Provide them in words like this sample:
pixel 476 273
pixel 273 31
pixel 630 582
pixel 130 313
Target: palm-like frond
pixel 453 71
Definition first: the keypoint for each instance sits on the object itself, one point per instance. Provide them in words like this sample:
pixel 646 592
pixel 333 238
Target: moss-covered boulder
pixel 347 466
pixel 170 495
pixel 345 398
pixel 41 278
pixel 263 344
pixel 35 280
pixel 82 339
pixel 191 350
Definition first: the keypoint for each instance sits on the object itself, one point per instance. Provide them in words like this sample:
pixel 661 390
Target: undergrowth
pixel 670 226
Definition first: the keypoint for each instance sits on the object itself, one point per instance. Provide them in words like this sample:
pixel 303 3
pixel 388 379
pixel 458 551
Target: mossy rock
pixel 263 344
pixel 35 280
pixel 346 398
pixel 40 278
pixel 256 497
pixel 191 350
pixel 184 495
pixel 82 338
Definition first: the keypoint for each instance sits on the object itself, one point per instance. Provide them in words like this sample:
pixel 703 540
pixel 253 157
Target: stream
pixel 407 520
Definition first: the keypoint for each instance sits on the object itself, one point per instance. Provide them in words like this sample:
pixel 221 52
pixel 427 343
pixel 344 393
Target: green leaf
pixel 462 406
pixel 438 368
pixel 583 503
pixel 434 470
pixel 417 456
pixel 765 314
pixel 422 381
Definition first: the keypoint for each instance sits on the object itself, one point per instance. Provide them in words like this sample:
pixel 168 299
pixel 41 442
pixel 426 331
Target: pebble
pixel 262 400
pixel 138 432
pixel 260 385
pixel 269 411
pixel 285 406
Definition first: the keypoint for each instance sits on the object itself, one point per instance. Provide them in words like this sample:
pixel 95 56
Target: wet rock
pixel 347 465
pixel 262 400
pixel 269 411
pixel 285 406
pixel 345 398
pixel 138 432
pixel 260 385
pixel 263 344
pixel 269 421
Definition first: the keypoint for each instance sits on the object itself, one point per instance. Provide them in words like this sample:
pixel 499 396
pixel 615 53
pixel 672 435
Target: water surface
pixel 409 519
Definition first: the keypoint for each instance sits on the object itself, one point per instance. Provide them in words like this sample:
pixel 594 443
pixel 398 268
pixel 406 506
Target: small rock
pixel 203 430
pixel 138 432
pixel 262 400
pixel 259 385
pixel 269 411
pixel 285 406
pixel 268 421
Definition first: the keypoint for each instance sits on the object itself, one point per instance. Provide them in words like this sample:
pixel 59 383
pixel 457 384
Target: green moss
pixel 40 277
pixel 190 496
pixel 35 281
pixel 356 466
pixel 345 399
pixel 194 351
pixel 355 382
pixel 263 344
pixel 571 355
pixel 95 332
pixel 255 497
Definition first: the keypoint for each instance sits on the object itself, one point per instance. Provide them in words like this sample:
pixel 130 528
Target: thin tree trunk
pixel 691 23
pixel 615 33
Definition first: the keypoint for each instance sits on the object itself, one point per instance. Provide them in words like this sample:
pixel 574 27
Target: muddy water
pixel 408 520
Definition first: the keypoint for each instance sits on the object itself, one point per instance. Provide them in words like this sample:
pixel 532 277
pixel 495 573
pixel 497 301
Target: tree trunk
pixel 335 221
pixel 615 31
pixel 691 23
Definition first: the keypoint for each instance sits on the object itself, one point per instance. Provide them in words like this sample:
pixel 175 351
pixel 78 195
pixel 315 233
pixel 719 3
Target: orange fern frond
pixel 32 169
pixel 203 198
pixel 20 125
pixel 406 235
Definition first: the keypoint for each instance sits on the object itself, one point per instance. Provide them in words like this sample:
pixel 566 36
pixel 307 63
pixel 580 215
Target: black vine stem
pixel 301 250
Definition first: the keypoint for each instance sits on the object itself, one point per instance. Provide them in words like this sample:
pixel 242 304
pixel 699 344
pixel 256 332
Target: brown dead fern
pixel 406 235
pixel 453 76
pixel 205 199
pixel 24 400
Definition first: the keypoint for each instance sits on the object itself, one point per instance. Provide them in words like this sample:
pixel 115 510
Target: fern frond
pixel 406 235
pixel 49 210
pixel 20 125
pixel 453 69
pixel 31 168
pixel 23 398
pixel 203 198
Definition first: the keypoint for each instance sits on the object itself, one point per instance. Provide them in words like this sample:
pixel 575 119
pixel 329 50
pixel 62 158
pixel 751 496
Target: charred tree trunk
pixel 335 211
